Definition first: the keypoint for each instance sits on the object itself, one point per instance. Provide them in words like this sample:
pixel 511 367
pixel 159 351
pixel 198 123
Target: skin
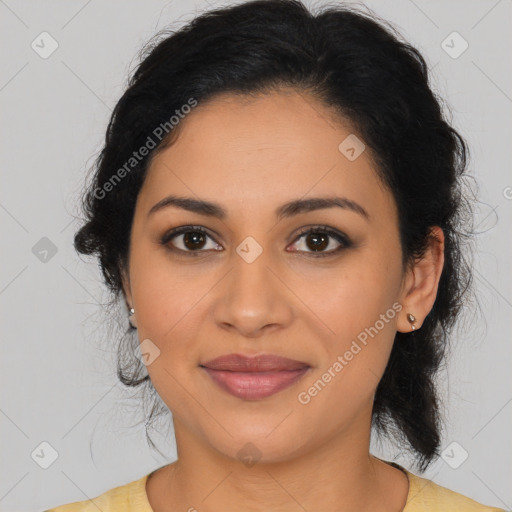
pixel 251 155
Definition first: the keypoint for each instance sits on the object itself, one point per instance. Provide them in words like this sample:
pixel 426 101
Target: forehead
pixel 266 149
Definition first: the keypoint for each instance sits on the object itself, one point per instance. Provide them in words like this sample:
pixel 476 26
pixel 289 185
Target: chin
pixel 267 442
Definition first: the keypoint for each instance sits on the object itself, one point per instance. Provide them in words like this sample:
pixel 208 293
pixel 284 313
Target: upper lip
pixel 258 363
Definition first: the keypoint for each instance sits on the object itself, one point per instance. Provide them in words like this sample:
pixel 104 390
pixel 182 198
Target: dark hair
pixel 368 75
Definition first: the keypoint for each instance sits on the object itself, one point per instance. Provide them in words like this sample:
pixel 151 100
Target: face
pixel 254 281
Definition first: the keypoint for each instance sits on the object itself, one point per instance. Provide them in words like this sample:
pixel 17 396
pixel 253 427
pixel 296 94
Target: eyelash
pixel 344 241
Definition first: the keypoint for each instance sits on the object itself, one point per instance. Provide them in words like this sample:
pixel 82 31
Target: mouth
pixel 256 377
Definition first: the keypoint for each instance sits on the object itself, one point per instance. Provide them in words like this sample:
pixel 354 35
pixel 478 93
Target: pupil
pixel 195 239
pixel 320 241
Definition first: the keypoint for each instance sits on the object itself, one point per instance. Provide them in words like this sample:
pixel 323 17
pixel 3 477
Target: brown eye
pixel 194 240
pixel 321 241
pixel 317 241
pixel 189 239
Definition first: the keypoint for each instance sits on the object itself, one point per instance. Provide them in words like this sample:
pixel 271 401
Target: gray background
pixel 57 370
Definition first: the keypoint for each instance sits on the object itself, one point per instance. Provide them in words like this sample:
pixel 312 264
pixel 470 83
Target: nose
pixel 253 300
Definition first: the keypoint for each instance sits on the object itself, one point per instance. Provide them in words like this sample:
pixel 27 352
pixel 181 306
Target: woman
pixel 279 205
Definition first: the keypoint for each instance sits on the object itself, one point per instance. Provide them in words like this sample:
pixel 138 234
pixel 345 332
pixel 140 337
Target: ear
pixel 128 296
pixel 421 283
pixel 126 288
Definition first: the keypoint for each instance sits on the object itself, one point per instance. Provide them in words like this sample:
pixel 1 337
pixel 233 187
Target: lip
pixel 255 377
pixel 256 363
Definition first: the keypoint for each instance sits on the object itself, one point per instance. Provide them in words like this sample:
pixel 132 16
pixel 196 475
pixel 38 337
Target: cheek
pixel 361 308
pixel 357 298
pixel 169 313
pixel 166 294
pixel 362 312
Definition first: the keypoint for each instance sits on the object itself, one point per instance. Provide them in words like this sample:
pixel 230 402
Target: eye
pixel 321 241
pixel 189 239
pixel 316 241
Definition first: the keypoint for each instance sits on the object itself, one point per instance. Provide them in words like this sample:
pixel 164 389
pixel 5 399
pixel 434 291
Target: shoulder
pixel 425 495
pixel 128 497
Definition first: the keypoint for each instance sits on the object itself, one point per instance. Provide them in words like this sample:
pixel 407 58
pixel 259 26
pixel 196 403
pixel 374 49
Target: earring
pixel 132 324
pixel 411 318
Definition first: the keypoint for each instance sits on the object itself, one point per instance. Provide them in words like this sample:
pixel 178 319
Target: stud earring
pixel 133 324
pixel 411 318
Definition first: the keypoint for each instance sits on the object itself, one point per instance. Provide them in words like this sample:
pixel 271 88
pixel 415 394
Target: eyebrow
pixel 289 209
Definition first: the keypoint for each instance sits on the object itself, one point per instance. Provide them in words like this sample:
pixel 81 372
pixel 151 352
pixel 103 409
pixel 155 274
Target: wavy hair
pixel 360 67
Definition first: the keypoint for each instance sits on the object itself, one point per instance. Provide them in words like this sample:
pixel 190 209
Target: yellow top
pixel 424 495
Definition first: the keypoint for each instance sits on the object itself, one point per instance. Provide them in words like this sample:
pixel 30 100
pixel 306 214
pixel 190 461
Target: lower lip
pixel 255 385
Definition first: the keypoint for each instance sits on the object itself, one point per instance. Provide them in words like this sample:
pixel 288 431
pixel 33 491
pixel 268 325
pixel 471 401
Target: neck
pixel 339 475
